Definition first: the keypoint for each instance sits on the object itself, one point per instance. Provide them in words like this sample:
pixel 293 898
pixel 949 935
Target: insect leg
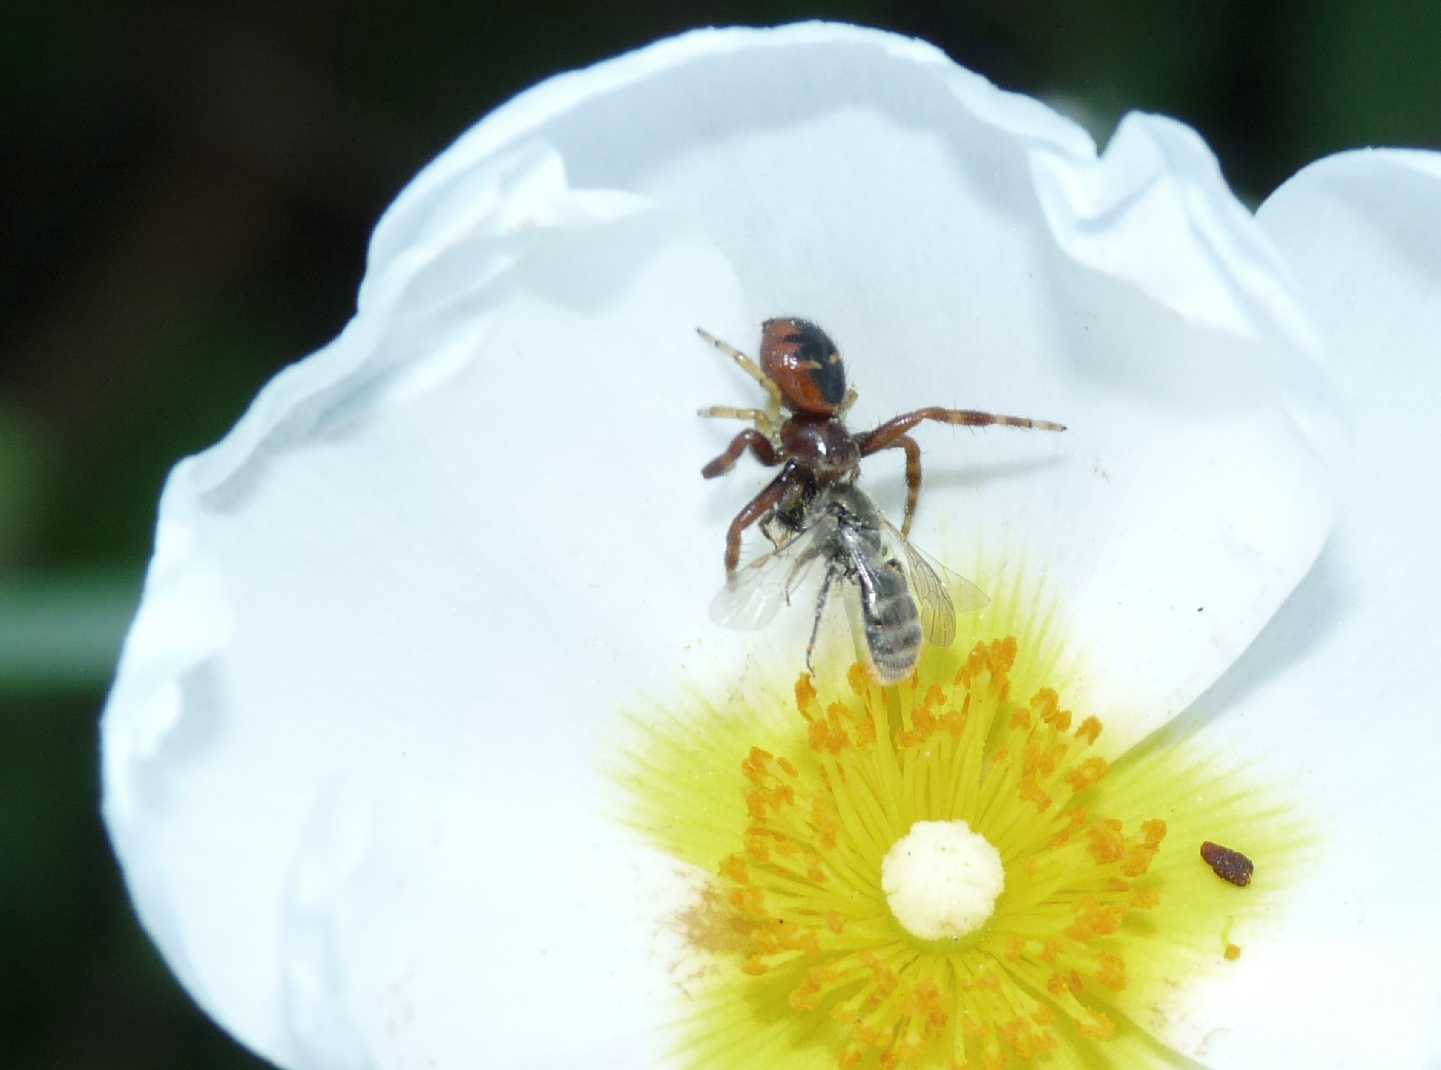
pixel 774 530
pixel 831 573
pixel 750 439
pixel 751 368
pixel 799 568
pixel 756 508
pixel 888 432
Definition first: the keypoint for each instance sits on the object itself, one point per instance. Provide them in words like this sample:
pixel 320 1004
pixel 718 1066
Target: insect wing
pixel 751 598
pixel 939 592
pixel 938 612
pixel 966 597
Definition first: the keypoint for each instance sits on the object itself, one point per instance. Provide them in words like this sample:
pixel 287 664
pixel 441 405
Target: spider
pixel 802 372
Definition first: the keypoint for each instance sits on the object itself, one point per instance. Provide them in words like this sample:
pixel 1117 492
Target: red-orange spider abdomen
pixel 801 359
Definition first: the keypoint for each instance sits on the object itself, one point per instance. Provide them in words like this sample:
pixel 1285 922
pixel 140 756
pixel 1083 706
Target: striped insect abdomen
pixel 891 622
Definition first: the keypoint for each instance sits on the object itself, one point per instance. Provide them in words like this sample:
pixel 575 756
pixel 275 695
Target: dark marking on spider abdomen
pixel 892 625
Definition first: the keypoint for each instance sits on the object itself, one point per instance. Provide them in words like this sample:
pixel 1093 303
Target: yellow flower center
pixel 811 876
pixel 945 873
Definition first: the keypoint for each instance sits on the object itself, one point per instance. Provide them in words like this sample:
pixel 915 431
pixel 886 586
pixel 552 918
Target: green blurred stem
pixel 62 632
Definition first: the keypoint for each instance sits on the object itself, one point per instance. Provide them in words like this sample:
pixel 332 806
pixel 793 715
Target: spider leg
pixel 913 478
pixel 749 439
pixel 730 412
pixel 887 433
pixel 760 417
pixel 846 403
pixel 751 368
pixel 756 508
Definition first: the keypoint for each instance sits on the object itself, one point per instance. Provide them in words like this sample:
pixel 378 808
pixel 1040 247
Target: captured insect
pixel 902 599
pixel 813 511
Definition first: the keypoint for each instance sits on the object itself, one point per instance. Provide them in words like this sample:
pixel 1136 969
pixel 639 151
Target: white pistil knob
pixel 941 879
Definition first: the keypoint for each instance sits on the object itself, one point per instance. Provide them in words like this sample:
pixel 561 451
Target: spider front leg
pixel 750 439
pixel 772 496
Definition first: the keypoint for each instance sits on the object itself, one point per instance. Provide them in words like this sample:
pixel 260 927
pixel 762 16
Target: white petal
pixel 361 816
pixel 1341 690
pixel 375 798
pixel 917 213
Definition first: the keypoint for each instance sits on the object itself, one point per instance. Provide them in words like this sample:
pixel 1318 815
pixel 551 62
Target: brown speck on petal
pixel 1231 866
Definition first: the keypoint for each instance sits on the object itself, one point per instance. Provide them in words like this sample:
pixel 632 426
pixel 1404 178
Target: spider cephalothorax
pixel 802 373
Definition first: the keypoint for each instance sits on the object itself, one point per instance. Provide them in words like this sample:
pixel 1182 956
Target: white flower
pixel 355 755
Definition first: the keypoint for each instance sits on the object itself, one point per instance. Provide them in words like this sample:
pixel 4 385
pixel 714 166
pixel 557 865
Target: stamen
pixel 918 807
pixel 943 873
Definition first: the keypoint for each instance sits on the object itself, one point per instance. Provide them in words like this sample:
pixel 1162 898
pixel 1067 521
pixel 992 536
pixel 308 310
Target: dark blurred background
pixel 188 197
